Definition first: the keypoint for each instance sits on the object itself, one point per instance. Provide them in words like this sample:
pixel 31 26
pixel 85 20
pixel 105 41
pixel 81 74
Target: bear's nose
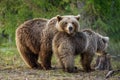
pixel 70 28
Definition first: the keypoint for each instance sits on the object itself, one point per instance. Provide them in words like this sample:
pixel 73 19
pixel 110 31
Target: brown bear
pixel 34 39
pixel 103 62
pixel 85 43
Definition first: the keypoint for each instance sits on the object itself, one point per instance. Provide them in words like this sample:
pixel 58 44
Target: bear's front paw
pixel 71 70
pixel 89 70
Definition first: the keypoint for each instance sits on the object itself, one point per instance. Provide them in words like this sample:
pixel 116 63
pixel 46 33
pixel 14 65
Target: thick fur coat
pixel 34 40
pixel 85 43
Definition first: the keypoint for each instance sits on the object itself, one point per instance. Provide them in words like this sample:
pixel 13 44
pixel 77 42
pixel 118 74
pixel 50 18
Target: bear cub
pixel 84 43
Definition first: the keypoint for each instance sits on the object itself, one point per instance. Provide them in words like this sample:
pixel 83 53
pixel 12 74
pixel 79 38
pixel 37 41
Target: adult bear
pixel 34 39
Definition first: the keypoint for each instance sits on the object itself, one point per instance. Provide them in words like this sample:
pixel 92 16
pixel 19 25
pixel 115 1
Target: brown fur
pixel 85 43
pixel 28 41
pixel 34 41
pixel 68 24
pixel 103 62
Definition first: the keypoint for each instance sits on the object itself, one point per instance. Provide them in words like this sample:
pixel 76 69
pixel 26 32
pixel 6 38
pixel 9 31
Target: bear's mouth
pixel 70 28
pixel 70 32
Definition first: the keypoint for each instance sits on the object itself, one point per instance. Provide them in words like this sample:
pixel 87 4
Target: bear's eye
pixel 73 23
pixel 65 23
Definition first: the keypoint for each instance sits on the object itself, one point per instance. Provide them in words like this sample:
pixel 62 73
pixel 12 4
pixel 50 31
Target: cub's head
pixel 102 43
pixel 68 24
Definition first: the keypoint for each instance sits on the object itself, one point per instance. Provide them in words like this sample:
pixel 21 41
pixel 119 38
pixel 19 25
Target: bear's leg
pixel 103 62
pixel 67 63
pixel 45 58
pixel 66 57
pixel 86 60
pixel 29 58
pixel 60 63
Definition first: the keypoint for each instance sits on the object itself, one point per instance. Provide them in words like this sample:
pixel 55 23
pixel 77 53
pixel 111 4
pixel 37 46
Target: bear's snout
pixel 70 28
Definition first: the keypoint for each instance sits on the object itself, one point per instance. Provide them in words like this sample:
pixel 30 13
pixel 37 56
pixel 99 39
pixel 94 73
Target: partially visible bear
pixel 103 62
pixel 85 43
pixel 28 41
pixel 34 39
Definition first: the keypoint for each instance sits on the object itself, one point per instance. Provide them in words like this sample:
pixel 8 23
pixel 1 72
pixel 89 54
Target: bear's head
pixel 102 43
pixel 68 24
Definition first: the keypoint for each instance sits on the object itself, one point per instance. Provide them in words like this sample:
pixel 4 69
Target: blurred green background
pixel 103 16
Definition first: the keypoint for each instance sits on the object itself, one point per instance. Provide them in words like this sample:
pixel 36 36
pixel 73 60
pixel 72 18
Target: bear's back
pixel 50 27
pixel 28 34
pixel 93 39
pixel 81 42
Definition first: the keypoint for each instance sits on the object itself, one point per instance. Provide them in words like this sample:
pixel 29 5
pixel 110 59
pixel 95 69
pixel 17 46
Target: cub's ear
pixel 105 39
pixel 77 17
pixel 59 18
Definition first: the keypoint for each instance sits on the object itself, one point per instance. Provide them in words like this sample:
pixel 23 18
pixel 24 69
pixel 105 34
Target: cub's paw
pixel 71 70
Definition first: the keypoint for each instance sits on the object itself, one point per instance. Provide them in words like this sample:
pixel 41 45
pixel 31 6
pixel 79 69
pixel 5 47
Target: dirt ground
pixel 12 67
pixel 24 73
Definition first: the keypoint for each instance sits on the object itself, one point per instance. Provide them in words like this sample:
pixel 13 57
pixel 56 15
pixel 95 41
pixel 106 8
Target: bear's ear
pixel 105 39
pixel 77 17
pixel 59 18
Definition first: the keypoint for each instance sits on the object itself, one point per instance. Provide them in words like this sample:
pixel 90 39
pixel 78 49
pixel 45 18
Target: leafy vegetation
pixel 102 16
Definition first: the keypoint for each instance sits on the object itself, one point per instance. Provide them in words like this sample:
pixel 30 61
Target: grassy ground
pixel 13 68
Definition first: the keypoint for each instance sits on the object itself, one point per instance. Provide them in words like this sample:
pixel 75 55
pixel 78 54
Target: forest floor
pixel 13 68
pixel 30 74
